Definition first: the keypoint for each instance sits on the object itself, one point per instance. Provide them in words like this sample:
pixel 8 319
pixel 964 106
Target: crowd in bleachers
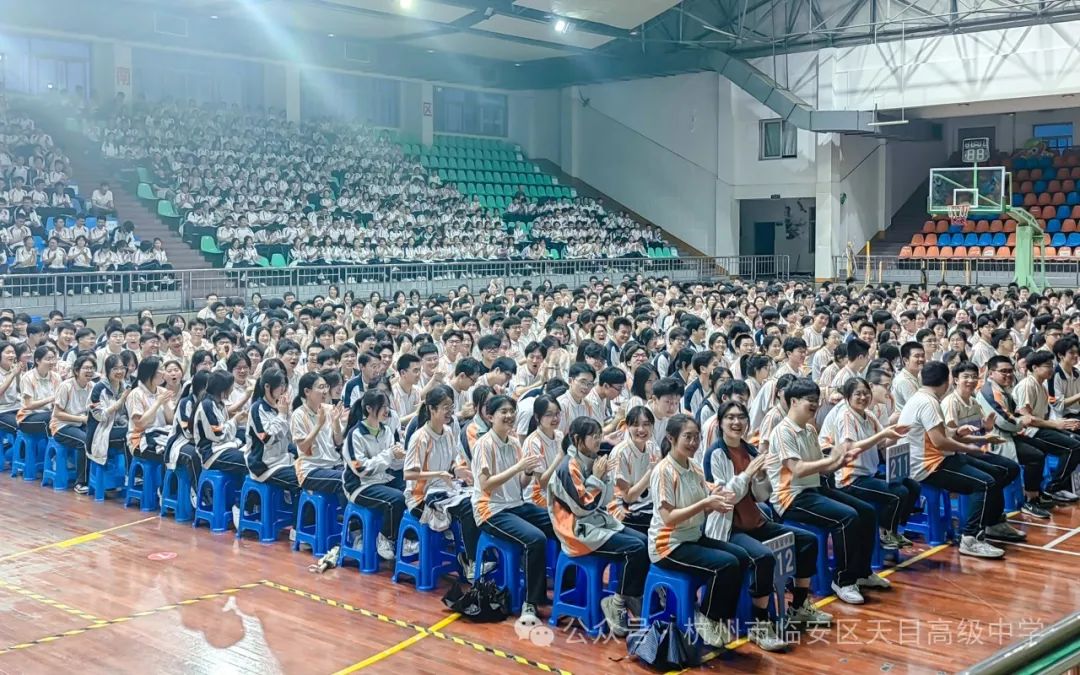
pixel 670 428
pixel 256 188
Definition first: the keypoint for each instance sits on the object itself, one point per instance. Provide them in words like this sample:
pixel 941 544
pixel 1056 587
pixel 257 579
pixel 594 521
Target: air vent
pixel 170 24
pixel 359 52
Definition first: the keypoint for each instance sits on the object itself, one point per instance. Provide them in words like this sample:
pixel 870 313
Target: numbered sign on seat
pixel 898 462
pixel 783 548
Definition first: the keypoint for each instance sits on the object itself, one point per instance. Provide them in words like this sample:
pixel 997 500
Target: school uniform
pixel 428 451
pixel 1064 444
pixel 269 459
pixel 504 512
pixel 149 442
pixel 373 476
pixel 104 431
pixel 215 439
pixel 550 451
pixel 10 403
pixel 321 469
pixel 629 465
pixel 851 521
pixel 74 400
pixel 34 388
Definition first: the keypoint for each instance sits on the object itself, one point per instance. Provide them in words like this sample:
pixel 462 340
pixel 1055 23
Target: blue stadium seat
pixel 1018 199
pixel 1072 199
pixel 1000 239
pixel 1020 163
pixel 971 239
pixel 1073 239
pixel 91 222
pixel 1046 162
pixel 1057 240
pixel 986 239
pixel 1063 212
pixel 1040 186
pixel 1053 225
pixel 956 229
pixel 946 239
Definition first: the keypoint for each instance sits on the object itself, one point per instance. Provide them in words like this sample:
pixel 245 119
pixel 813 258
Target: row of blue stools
pixel 319 523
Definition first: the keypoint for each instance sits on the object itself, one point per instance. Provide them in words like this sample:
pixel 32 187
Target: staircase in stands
pixel 908 220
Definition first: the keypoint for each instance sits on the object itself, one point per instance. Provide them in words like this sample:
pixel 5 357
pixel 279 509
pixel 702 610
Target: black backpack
pixel 483 602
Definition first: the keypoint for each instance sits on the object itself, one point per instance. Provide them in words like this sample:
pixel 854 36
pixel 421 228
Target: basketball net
pixel 958 213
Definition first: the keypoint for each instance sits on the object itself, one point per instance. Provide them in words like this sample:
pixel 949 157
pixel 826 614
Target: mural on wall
pixel 795 224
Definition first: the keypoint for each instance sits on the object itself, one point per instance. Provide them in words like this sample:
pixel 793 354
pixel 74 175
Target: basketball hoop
pixel 958 213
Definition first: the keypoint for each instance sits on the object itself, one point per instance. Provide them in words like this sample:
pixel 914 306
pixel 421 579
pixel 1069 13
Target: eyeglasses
pixel 735 418
pixel 1009 371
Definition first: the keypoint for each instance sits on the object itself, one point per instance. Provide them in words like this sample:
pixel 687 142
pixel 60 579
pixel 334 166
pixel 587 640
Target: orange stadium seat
pixel 960 252
pixel 1059 162
pixel 1053 186
pixel 942 227
pixel 981 226
pixel 1030 199
pixel 928 226
pixel 1068 225
pixel 932 252
pixel 1004 252
pixel 969 226
pixel 989 252
pixel 1036 174
pixel 1011 241
pixel 905 252
pixel 1036 211
pixel 919 252
pixel 946 251
pixel 1044 198
pixel 1075 215
pixel 930 240
pixel 974 252
pixel 1064 252
pixel 1051 252
pixel 1025 186
pixel 1072 159
pixel 1074 172
pixel 1022 175
pixel 997 226
pixel 1042 222
pixel 1068 185
pixel 1010 226
pixel 1062 172
pixel 1058 198
pixel 917 239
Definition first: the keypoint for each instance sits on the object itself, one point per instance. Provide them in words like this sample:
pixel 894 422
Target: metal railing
pixel 93 294
pixel 884 269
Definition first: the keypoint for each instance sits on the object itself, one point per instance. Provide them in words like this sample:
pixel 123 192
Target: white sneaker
pixel 385 548
pixel 528 614
pixel 978 548
pixel 410 547
pixel 712 633
pixel 849 594
pixel 86 290
pixel 875 582
pixel 236 517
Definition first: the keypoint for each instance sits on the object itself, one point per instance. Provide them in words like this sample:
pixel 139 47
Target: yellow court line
pixel 45 600
pixel 735 644
pixel 404 644
pixel 74 541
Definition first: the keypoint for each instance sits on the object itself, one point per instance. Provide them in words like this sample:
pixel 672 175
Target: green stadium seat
pixel 165 209
pixel 278 260
pixel 144 175
pixel 209 246
pixel 263 262
pixel 146 192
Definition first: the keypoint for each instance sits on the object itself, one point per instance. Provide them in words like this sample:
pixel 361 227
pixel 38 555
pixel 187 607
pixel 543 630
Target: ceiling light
pixel 431 51
pixel 561 26
pixel 329 35
pixel 213 16
pixel 405 4
pixel 518 65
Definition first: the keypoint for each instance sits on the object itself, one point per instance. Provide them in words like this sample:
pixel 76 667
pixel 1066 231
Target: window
pixel 778 139
pixel 465 111
pixel 1056 136
pixel 373 101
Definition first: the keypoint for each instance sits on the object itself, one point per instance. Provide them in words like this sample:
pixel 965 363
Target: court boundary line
pixel 1033 547
pixel 448 637
pixel 74 541
pixel 1049 546
pixel 55 604
pixel 53 637
pixel 401 646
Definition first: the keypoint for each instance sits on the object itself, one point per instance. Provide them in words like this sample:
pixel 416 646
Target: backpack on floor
pixel 483 602
pixel 663 646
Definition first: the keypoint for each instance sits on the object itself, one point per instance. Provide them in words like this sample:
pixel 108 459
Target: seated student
pixel 701 365
pixel 437 479
pixel 405 391
pixel 632 461
pixel 574 403
pixel 736 465
pixel 1064 386
pixel 500 473
pixel 682 501
pixel 730 390
pixel 1053 437
pixel 579 492
pixel 38 387
pixel 214 430
pixel 150 412
pixel 373 460
pixel 267 453
pixel 180 451
pixel 940 459
pixel 773 415
pixel 666 394
pixel 317 431
pixel 107 425
pixel 480 423
pixel 796 465
pixel 758 370
pixel 851 426
pixel 544 441
pixel 10 371
pixel 72 405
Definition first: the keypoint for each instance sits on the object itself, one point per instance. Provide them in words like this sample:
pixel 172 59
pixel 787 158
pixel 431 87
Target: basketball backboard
pixel 986 189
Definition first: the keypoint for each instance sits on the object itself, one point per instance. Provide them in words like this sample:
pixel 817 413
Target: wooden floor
pixel 95 586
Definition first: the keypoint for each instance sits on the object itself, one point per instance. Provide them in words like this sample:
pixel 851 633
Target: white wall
pixel 535 123
pixel 908 167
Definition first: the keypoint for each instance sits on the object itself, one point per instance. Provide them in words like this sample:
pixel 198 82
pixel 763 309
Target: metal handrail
pixel 1015 657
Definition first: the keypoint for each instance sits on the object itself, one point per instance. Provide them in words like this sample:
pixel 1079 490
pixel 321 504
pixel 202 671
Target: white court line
pixel 1060 539
pixel 1040 548
pixel 1033 523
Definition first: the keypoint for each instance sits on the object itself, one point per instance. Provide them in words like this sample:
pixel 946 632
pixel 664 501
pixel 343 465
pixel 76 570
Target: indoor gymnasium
pixel 571 336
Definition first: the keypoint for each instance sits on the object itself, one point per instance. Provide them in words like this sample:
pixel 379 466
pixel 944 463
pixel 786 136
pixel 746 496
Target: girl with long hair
pixel 633 460
pixel 267 448
pixel 106 427
pixel 150 412
pixel 317 431
pixel 545 441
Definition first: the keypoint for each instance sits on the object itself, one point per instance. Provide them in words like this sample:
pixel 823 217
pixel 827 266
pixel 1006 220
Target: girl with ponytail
pixel 267 452
pixel 579 493
pixel 544 441
pixel 632 461
pixel 682 501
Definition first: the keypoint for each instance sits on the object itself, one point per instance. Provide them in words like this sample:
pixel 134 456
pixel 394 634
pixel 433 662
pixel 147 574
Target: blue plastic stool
pixel 269 517
pixel 324 532
pixel 57 471
pixel 935 522
pixel 682 596
pixel 821 582
pixel 581 600
pixel 108 476
pixel 744 615
pixel 153 474
pixel 175 495
pixel 552 554
pixel 437 555
pixel 7 449
pixel 28 457
pixel 1014 493
pixel 370 521
pixel 507 573
pixel 223 492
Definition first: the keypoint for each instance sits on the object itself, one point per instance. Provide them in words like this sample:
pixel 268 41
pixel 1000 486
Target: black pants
pixel 528 526
pixel 1066 447
pixel 712 560
pixel 36 423
pixel 117 439
pixel 895 500
pixel 1032 459
pixel 638 521
pixel 462 515
pixel 7 421
pixel 983 479
pixel 762 562
pixel 388 498
pixel 631 548
pixel 851 521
